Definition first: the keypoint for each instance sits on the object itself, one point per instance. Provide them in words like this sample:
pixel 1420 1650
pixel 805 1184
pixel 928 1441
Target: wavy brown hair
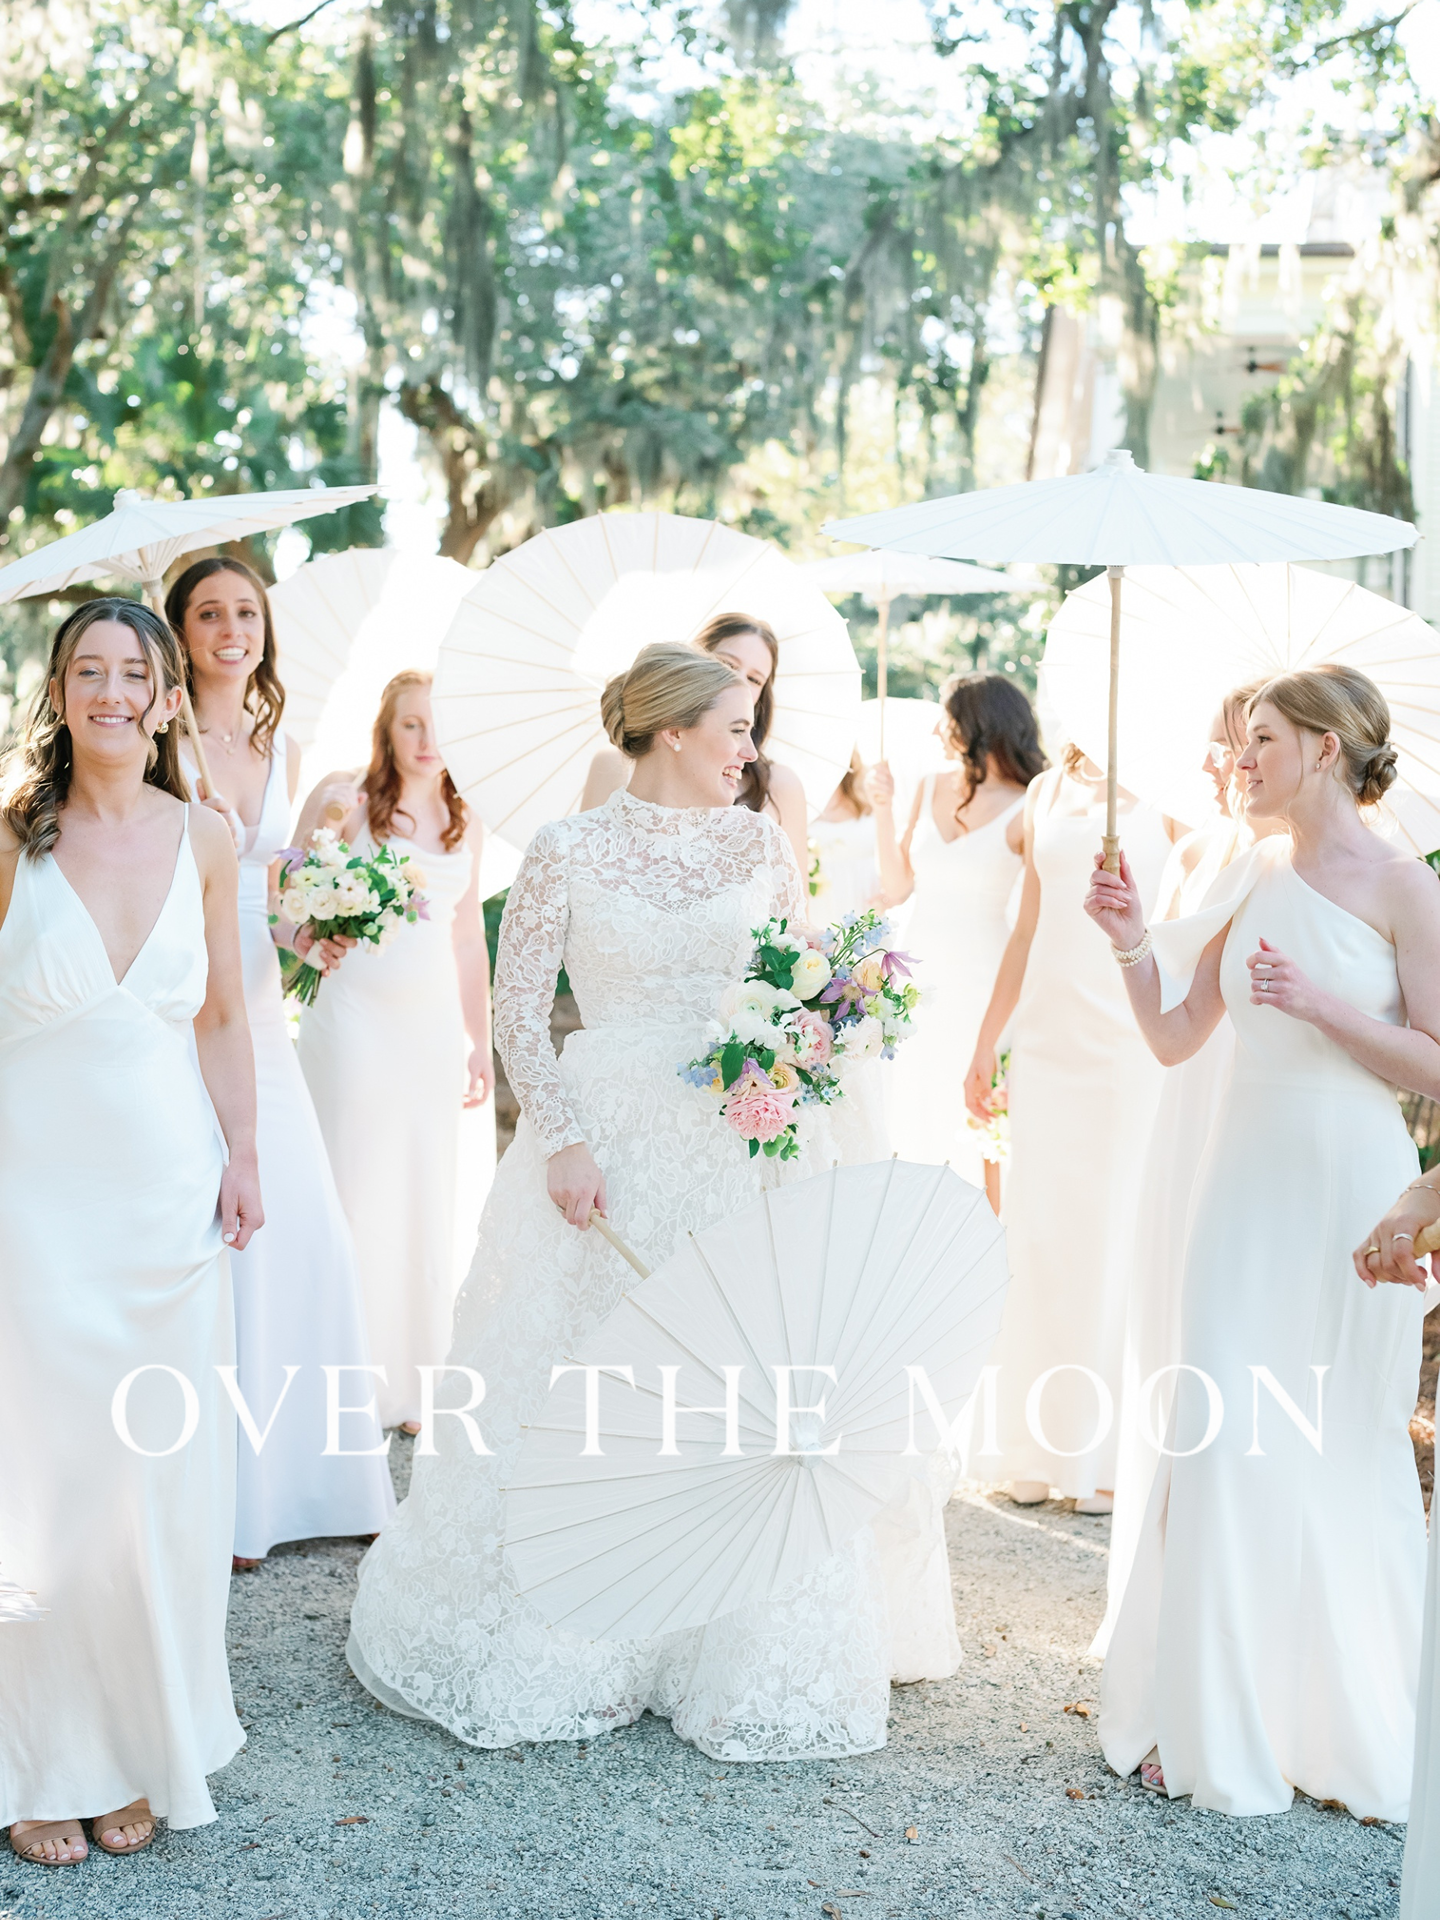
pixel 264 695
pixel 851 787
pixel 988 717
pixel 35 776
pixel 382 782
pixel 754 790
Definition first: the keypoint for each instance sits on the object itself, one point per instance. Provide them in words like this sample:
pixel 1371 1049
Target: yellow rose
pixel 870 974
pixel 811 974
pixel 784 1078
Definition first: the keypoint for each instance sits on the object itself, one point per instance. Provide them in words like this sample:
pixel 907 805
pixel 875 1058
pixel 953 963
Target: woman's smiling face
pixel 224 628
pixel 108 700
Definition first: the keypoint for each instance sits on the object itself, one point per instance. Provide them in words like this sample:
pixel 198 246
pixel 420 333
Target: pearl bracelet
pixel 1132 956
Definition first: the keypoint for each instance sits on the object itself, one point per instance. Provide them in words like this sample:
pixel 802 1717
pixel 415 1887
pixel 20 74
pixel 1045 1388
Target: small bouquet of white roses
pixel 810 1005
pixel 336 892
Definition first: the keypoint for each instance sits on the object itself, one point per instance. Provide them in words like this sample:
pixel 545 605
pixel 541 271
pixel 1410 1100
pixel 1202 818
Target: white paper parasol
pixel 345 625
pixel 18 1605
pixel 542 629
pixel 880 576
pixel 141 538
pixel 1193 634
pixel 1120 516
pixel 866 1270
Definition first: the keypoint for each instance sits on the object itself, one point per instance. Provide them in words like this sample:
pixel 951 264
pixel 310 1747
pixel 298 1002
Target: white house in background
pixel 1258 303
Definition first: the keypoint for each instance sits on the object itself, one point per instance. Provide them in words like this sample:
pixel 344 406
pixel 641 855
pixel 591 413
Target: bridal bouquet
pixel 334 891
pixel 810 1006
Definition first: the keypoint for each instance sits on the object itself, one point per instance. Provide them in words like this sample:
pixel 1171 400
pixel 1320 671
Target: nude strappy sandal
pixel 53 1830
pixel 130 1816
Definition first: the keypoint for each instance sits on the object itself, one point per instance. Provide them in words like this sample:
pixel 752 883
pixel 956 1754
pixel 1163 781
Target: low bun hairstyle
pixel 667 685
pixel 1338 700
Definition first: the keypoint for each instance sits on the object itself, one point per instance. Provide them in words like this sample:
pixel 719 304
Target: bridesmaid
pixel 1083 1090
pixel 1189 1103
pixel 1270 1635
pixel 118 942
pixel 400 1095
pixel 844 855
pixel 750 647
pixel 1388 1253
pixel 297 1290
pixel 960 858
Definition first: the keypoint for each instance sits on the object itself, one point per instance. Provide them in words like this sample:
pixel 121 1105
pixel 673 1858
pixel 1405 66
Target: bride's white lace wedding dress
pixel 650 910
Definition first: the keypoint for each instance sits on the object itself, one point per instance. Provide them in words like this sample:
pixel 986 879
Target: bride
pixel 648 903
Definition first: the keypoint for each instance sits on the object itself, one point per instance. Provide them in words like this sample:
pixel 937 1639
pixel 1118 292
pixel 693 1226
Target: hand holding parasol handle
pixel 606 1232
pixel 1428 1240
pixel 1111 842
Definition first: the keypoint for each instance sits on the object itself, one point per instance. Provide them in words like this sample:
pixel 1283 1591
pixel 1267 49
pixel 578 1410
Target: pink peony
pixel 760 1115
pixel 813 1039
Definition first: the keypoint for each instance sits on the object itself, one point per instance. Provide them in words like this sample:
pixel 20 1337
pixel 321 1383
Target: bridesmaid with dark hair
pixel 396 1050
pixel 297 1291
pixel 960 858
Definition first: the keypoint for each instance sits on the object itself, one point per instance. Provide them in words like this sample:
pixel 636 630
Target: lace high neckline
pixel 650 817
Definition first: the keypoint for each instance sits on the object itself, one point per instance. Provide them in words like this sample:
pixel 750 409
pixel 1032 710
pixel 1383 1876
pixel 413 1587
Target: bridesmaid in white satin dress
pixel 1269 1638
pixel 396 1050
pixel 1189 1102
pixel 297 1289
pixel 1387 1253
pixel 959 862
pixel 1083 1092
pixel 117 943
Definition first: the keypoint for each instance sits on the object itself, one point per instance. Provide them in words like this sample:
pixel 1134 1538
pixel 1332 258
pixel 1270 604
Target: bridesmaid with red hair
pixel 396 1051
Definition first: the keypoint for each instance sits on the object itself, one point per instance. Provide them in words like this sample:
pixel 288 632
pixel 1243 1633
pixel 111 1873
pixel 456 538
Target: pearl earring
pixel 163 727
pixel 676 745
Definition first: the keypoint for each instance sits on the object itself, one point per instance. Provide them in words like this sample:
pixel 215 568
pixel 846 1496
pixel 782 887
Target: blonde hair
pixel 35 778
pixel 667 685
pixel 1338 700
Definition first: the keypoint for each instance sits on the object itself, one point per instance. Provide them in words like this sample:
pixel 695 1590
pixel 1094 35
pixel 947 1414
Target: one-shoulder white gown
pixel 111 1260
pixel 297 1287
pixel 650 910
pixel 1269 1637
pixel 383 1050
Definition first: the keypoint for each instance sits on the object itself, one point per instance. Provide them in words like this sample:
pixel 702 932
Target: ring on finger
pixel 1372 1252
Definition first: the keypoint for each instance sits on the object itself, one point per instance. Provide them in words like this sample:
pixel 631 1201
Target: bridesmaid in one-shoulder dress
pixel 297 1289
pixel 1269 1637
pixel 118 940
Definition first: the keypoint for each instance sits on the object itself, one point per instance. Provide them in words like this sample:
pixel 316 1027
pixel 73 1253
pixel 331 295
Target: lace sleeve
pixel 532 947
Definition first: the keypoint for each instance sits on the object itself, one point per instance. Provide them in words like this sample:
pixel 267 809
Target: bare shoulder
pixel 212 841
pixel 785 784
pixel 1411 887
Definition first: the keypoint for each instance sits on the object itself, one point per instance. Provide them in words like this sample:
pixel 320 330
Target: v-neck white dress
pixel 297 1285
pixel 111 1261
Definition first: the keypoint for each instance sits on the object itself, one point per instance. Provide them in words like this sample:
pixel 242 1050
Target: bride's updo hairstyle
pixel 1338 700
pixel 668 685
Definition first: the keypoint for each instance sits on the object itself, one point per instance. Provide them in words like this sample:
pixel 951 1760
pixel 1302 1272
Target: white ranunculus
pixel 753 999
pixel 864 1038
pixel 811 975
pixel 787 943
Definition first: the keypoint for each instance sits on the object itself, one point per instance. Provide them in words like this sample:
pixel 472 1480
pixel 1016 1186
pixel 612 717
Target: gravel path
pixel 990 1800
